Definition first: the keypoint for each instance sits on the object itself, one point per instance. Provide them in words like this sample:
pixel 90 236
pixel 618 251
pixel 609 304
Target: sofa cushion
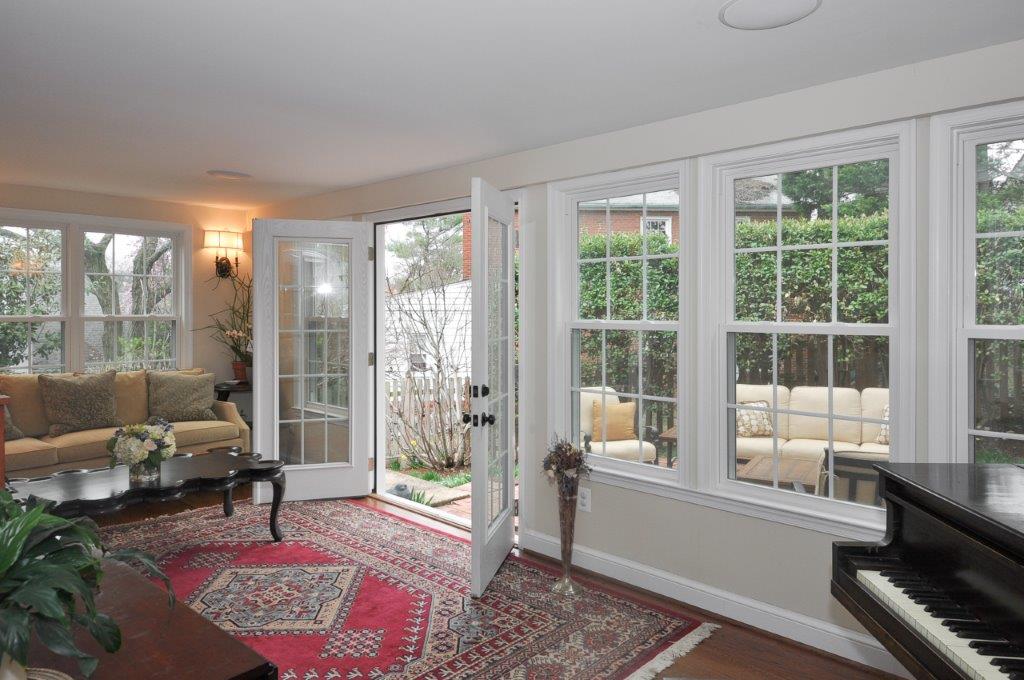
pixel 846 402
pixel 77 446
pixel 27 411
pixel 627 449
pixel 748 393
pixel 614 422
pixel 587 401
pixel 203 431
pixel 27 453
pixel 752 422
pixel 875 450
pixel 178 397
pixel 79 402
pixel 132 397
pixel 11 431
pixel 804 449
pixel 748 447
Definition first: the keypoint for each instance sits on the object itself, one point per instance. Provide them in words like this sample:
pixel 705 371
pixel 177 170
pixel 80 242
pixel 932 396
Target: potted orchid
pixel 142 448
pixel 565 465
pixel 232 326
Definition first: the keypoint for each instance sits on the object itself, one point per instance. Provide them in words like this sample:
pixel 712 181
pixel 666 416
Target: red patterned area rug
pixel 353 592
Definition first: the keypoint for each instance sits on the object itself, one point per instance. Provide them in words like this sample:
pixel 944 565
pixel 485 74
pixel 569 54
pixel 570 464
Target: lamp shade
pixel 230 240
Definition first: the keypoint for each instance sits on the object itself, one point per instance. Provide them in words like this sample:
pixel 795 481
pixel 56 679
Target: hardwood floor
pixel 734 652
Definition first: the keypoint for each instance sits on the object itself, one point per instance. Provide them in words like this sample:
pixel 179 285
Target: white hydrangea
pixel 129 450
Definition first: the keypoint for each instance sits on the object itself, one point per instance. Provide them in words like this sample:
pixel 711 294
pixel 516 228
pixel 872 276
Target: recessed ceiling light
pixel 760 15
pixel 228 174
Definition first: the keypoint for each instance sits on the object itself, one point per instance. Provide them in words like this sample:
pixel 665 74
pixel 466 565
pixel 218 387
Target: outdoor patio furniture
pixel 642 449
pixel 804 475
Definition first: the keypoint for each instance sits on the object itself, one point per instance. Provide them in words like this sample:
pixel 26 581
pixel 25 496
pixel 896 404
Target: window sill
pixel 869 527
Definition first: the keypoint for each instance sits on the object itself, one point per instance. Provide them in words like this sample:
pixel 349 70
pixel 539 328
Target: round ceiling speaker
pixel 760 15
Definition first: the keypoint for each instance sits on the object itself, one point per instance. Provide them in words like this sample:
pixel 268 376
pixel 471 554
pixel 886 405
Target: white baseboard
pixel 807 630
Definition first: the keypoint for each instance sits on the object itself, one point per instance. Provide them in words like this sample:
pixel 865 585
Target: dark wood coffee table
pixel 158 642
pixel 105 490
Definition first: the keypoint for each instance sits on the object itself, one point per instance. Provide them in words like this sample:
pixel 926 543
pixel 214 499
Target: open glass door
pixel 493 391
pixel 312 325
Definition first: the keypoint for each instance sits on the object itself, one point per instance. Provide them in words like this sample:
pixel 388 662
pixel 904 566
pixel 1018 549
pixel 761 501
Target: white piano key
pixel 955 648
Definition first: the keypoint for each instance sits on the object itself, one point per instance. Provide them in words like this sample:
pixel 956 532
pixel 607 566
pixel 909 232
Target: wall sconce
pixel 228 243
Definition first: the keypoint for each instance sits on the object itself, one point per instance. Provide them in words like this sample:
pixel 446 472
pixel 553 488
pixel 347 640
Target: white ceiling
pixel 141 98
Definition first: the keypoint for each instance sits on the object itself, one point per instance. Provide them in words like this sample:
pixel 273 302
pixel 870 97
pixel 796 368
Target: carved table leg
pixel 275 505
pixel 229 506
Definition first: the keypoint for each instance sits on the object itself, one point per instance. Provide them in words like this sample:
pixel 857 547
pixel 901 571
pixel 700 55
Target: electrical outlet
pixel 583 499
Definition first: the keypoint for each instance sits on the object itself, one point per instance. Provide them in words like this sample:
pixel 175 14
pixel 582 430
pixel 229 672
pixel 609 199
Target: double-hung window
pixel 91 294
pixel 621 327
pixel 978 190
pixel 812 244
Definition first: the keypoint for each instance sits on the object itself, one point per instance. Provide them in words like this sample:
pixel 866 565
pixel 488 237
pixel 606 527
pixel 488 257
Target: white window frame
pixel 563 198
pixel 952 257
pixel 73 228
pixel 896 142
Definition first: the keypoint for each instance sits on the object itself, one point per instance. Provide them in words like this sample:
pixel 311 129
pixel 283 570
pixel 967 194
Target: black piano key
pixel 996 648
pixel 1007 664
pixel 984 636
pixel 946 612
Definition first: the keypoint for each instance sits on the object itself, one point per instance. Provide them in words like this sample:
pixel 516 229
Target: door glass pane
pixel 498 314
pixel 313 300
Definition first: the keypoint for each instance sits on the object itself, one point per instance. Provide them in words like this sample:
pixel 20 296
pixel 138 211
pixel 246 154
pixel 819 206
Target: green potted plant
pixel 50 571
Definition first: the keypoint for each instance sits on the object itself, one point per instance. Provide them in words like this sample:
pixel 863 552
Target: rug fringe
pixel 680 649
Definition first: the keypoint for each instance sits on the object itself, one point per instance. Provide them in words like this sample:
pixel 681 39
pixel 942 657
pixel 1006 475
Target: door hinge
pixel 373 359
pixel 371 254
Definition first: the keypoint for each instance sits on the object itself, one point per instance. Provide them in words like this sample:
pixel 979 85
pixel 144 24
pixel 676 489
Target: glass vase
pixel 568 490
pixel 143 473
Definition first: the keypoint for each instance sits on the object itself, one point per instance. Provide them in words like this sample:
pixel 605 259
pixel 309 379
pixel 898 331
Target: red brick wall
pixel 623 221
pixel 467 242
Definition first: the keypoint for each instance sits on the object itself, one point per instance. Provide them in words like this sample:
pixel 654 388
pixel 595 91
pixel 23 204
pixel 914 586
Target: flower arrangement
pixel 566 464
pixel 232 326
pixel 142 447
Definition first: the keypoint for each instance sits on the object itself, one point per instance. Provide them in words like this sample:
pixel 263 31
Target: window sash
pixel 73 317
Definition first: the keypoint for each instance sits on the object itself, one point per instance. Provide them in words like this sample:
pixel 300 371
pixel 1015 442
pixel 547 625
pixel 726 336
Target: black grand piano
pixel 944 591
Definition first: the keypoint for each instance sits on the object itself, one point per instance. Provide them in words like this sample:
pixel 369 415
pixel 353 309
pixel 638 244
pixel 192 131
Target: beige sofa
pixel 38 454
pixel 806 437
pixel 625 449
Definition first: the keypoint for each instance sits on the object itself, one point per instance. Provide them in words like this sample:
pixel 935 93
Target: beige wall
pixel 207 298
pixel 777 564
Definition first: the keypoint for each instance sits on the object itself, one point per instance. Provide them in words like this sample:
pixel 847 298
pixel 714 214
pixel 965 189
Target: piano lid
pixel 987 498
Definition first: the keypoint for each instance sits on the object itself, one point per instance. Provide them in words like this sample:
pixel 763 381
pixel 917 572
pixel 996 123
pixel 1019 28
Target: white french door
pixel 311 338
pixel 493 390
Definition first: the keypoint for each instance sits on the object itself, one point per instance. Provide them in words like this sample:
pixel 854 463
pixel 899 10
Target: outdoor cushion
pixel 626 450
pixel 804 449
pixel 614 421
pixel 846 401
pixel 748 447
pixel 752 422
pixel 587 401
pixel 193 432
pixel 27 453
pixel 178 397
pixel 748 393
pixel 879 451
pixel 78 446
pixel 26 405
pixel 873 402
pixel 132 400
pixel 79 402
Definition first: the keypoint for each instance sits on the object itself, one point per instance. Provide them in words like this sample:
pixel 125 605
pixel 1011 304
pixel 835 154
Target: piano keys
pixel 944 590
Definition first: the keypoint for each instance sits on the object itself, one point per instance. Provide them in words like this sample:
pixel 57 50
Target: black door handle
pixel 486 419
pixel 466 417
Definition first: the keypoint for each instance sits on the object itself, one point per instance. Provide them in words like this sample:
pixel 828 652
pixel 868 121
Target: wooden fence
pixel 412 405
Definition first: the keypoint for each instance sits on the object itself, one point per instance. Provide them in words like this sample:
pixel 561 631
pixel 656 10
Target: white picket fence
pixel 413 403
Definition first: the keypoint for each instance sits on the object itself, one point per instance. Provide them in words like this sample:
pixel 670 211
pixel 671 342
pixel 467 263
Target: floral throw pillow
pixel 750 423
pixel 883 431
pixel 79 402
